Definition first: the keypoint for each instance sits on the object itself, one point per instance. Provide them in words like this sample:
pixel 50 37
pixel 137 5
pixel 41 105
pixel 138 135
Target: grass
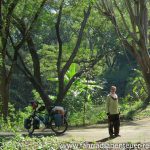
pixel 19 142
pixel 27 143
pixel 134 110
pixel 140 114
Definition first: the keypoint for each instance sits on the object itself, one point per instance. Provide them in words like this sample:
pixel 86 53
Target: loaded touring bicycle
pixel 55 119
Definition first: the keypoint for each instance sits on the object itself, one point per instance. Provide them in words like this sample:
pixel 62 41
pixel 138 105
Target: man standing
pixel 113 112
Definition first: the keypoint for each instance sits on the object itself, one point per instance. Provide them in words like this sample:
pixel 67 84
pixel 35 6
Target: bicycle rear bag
pixel 36 123
pixel 58 118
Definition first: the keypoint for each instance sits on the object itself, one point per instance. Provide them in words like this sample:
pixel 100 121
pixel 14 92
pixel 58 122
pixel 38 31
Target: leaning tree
pixel 133 17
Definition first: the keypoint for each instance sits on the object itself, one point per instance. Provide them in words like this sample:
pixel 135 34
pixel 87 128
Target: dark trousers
pixel 113 124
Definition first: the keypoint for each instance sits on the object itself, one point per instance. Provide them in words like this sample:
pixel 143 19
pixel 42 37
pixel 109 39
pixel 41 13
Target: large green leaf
pixel 71 72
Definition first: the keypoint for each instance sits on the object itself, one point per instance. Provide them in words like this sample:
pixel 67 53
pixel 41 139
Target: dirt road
pixel 133 131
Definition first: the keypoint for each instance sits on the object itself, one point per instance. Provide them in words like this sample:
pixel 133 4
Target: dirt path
pixel 134 131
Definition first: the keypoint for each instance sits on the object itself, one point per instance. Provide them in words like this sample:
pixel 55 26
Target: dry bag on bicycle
pixel 58 115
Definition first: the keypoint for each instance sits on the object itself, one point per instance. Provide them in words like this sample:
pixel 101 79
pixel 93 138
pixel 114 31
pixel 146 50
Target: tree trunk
pixel 35 58
pixel 47 101
pixel 146 76
pixel 60 95
pixel 4 93
pixel 60 98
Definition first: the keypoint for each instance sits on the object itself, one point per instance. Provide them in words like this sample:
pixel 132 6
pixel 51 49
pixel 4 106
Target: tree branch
pixel 1 20
pixel 125 24
pixel 76 48
pixel 31 46
pixel 26 34
pixel 112 18
pixel 92 63
pixel 34 82
pixel 57 26
pixel 6 29
pixel 19 45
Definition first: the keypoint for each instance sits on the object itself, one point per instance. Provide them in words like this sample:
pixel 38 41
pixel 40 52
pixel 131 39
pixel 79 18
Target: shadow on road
pixel 40 134
pixel 43 134
pixel 102 140
pixel 105 139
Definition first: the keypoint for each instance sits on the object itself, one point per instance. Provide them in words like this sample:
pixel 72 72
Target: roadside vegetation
pixel 69 53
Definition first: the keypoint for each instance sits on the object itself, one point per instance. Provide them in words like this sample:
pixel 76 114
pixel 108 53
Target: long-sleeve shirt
pixel 112 105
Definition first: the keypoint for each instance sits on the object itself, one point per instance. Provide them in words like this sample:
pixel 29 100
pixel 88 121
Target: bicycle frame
pixel 45 120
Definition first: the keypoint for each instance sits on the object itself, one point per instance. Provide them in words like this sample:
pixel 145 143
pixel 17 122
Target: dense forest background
pixel 69 53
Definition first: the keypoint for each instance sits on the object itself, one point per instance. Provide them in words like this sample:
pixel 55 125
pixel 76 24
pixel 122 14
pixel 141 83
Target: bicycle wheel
pixel 59 129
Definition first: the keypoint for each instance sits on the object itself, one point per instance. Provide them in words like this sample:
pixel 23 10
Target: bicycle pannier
pixel 58 118
pixel 27 123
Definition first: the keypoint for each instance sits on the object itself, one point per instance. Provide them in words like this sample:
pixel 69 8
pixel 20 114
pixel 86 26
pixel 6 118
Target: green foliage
pixel 136 86
pixel 85 99
pixel 15 120
pixel 93 115
pixel 71 72
pixel 20 142
pixel 132 108
pixel 0 51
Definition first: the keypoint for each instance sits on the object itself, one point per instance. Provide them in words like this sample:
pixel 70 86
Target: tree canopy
pixel 61 50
